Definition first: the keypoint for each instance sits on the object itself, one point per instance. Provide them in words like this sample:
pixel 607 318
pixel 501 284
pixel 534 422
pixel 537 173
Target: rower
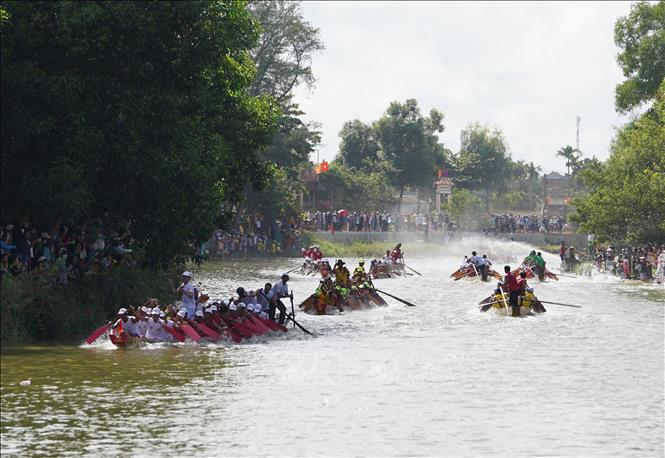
pixel 479 263
pixel 342 274
pixel 387 259
pixel 125 323
pixel 540 265
pixel 397 253
pixel 187 290
pixel 264 296
pixel 155 329
pixel 359 272
pixel 512 288
pixel 280 290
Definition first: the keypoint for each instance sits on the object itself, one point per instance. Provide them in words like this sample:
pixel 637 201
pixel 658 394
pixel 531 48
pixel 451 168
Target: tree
pixel 408 140
pixel 358 147
pixel 483 162
pixel 572 157
pixel 284 52
pixel 136 112
pixel 627 193
pixel 641 38
pixel 466 209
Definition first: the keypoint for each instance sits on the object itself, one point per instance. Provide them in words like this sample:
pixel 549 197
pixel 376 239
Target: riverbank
pixel 33 309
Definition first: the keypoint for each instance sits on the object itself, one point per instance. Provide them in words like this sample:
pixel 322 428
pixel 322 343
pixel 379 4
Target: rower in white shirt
pixel 188 292
pixel 280 290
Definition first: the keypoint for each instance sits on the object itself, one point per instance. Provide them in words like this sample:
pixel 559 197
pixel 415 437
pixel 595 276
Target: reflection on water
pixel 437 379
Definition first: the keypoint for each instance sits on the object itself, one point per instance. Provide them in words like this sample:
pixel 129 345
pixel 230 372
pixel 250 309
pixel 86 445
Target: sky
pixel 528 68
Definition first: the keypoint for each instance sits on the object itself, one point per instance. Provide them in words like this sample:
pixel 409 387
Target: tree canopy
pixel 641 38
pixel 131 111
pixel 627 192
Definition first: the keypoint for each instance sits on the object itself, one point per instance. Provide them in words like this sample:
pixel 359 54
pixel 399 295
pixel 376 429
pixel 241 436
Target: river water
pixel 436 379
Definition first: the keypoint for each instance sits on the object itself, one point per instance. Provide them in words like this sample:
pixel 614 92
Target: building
pixel 556 195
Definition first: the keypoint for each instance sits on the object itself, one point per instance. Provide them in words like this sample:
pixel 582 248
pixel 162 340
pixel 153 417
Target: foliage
pixel 358 147
pixel 138 111
pixel 572 156
pixel 483 162
pixel 466 209
pixel 32 308
pixel 367 191
pixel 284 51
pixel 627 193
pixel 641 37
pixel 283 57
pixel 409 142
pixel 512 200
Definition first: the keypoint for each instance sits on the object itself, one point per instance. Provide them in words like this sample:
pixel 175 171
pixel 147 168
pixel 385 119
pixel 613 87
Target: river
pixel 437 379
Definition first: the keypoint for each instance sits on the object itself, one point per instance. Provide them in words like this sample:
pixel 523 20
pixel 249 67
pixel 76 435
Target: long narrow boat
pixel 529 304
pixel 469 271
pixel 328 303
pixel 381 269
pixel 530 273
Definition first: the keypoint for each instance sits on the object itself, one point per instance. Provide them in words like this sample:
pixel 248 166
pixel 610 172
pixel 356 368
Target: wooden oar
pixel 176 335
pixel 95 335
pixel 559 303
pixel 413 270
pixel 289 317
pixel 190 332
pixel 486 305
pixel 396 298
pixel 293 270
pixel 567 276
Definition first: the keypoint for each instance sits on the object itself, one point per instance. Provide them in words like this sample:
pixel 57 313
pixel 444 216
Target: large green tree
pixel 641 37
pixel 131 111
pixel 409 142
pixel 483 162
pixel 627 193
pixel 358 147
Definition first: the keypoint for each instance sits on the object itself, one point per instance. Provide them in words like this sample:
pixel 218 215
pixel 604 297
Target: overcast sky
pixel 527 68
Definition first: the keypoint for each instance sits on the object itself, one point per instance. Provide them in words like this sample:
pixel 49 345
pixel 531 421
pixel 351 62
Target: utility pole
pixel 577 135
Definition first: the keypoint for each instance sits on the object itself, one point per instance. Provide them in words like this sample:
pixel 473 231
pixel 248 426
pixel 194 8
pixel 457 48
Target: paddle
pixel 503 297
pixel 190 332
pixel 567 276
pixel 289 317
pixel 396 298
pixel 95 335
pixel 176 335
pixel 486 305
pixel 559 303
pixel 413 270
pixel 293 270
pixel 293 310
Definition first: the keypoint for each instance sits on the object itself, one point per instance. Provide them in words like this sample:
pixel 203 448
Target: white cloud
pixel 528 68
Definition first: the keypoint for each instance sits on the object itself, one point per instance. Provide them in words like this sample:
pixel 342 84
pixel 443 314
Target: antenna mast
pixel 577 135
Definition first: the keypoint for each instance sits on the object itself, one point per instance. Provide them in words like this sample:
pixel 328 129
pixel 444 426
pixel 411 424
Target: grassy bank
pixel 358 249
pixel 33 309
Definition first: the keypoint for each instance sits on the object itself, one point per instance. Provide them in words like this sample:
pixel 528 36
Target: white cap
pixel 207 310
pixel 213 308
pixel 233 307
pixel 199 313
pixel 187 273
pixel 145 309
pixel 205 293
pixel 162 315
pixel 242 305
pixel 156 311
pixel 285 275
pixel 122 311
pixel 264 315
pixel 182 313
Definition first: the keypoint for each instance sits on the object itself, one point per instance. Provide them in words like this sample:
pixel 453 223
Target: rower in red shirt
pixel 512 287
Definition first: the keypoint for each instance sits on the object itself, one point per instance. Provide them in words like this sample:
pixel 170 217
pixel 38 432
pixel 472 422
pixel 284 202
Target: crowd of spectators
pixel 253 233
pixel 377 221
pixel 525 223
pixel 62 253
pixel 644 263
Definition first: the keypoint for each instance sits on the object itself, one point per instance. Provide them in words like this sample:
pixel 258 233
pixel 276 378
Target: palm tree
pixel 572 157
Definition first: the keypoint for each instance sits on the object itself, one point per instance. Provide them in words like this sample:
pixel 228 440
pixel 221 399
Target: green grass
pixel 361 249
pixel 33 309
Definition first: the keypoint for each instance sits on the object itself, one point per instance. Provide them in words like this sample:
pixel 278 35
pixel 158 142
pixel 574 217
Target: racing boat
pixel 469 271
pixel 531 273
pixel 328 301
pixel 498 302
